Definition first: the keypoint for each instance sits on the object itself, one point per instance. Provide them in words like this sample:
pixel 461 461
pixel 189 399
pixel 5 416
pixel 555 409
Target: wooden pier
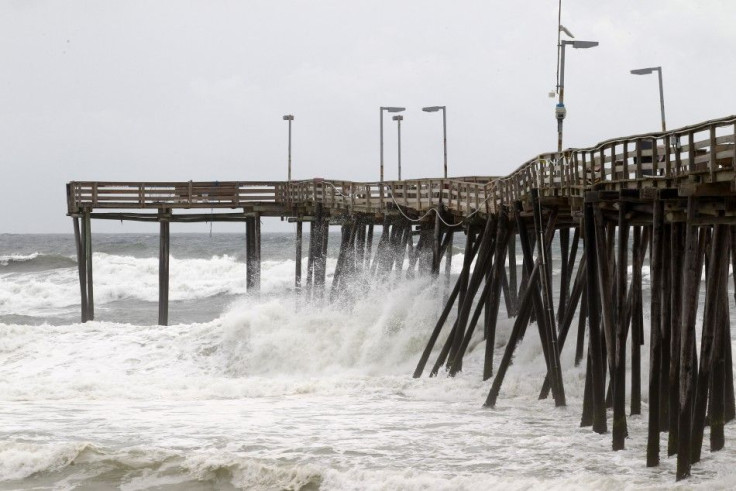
pixel 669 198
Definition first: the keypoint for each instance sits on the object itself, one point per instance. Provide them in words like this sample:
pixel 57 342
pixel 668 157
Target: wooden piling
pixel 443 317
pixel 257 239
pixel 708 347
pixel 595 352
pixel 676 267
pixel 636 320
pixel 664 323
pixel 436 239
pixel 298 258
pixel 536 297
pixel 250 253
pixel 580 342
pixel 619 430
pixel 655 345
pixel 716 404
pixel 81 266
pixel 368 244
pixel 503 233
pixel 485 251
pixel 311 254
pixel 87 234
pixel 558 390
pixel 325 235
pixel 691 281
pixel 163 273
pixel 604 289
pixel 574 299
pixel 564 273
pixel 517 333
pixel 512 276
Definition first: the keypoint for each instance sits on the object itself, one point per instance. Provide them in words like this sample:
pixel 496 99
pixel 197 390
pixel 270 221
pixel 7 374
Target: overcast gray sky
pixel 180 90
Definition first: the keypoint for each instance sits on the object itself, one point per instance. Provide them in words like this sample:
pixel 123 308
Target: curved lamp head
pixel 393 109
pixel 582 44
pixel 432 109
pixel 646 71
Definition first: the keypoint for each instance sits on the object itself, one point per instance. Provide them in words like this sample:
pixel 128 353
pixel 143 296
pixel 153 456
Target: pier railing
pixel 702 153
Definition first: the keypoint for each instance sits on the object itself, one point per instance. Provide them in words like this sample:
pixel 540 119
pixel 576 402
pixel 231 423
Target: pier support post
pixel 298 258
pixel 436 239
pixel 485 252
pixel 503 233
pixel 564 273
pixel 558 390
pixel 257 264
pixel 637 321
pixel 441 322
pixel 530 299
pixel 368 245
pixel 595 341
pixel 619 429
pixel 81 265
pixel 250 253
pixel 655 344
pixel 87 238
pixel 676 267
pixel 691 282
pixel 716 404
pixel 710 341
pixel 665 325
pixel 449 236
pixel 512 276
pixel 163 271
pixel 320 271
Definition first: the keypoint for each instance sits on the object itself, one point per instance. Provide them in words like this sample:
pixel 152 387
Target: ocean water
pixel 267 392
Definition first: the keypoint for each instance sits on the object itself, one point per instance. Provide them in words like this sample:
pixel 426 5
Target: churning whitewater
pixel 267 392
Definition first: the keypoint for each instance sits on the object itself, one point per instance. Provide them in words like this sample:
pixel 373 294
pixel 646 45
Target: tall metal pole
pixel 289 118
pixel 381 126
pixel 661 99
pixel 290 149
pixel 398 119
pixel 560 109
pixel 444 135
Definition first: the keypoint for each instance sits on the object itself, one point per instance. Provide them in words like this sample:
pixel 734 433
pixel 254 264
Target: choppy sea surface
pixel 268 392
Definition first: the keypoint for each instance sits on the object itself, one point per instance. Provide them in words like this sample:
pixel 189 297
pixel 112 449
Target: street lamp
pixel 289 118
pixel 434 109
pixel 391 110
pixel 560 111
pixel 398 118
pixel 647 71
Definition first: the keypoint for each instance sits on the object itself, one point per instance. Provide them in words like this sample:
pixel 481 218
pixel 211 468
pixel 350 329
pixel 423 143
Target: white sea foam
pixel 274 393
pixel 8 258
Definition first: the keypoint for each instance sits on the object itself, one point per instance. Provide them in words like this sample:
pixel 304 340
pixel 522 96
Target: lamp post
pixel 432 109
pixel 289 118
pixel 398 118
pixel 390 109
pixel 560 111
pixel 647 71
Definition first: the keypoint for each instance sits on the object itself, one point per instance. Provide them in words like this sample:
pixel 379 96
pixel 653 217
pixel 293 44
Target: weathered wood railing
pixel 701 153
